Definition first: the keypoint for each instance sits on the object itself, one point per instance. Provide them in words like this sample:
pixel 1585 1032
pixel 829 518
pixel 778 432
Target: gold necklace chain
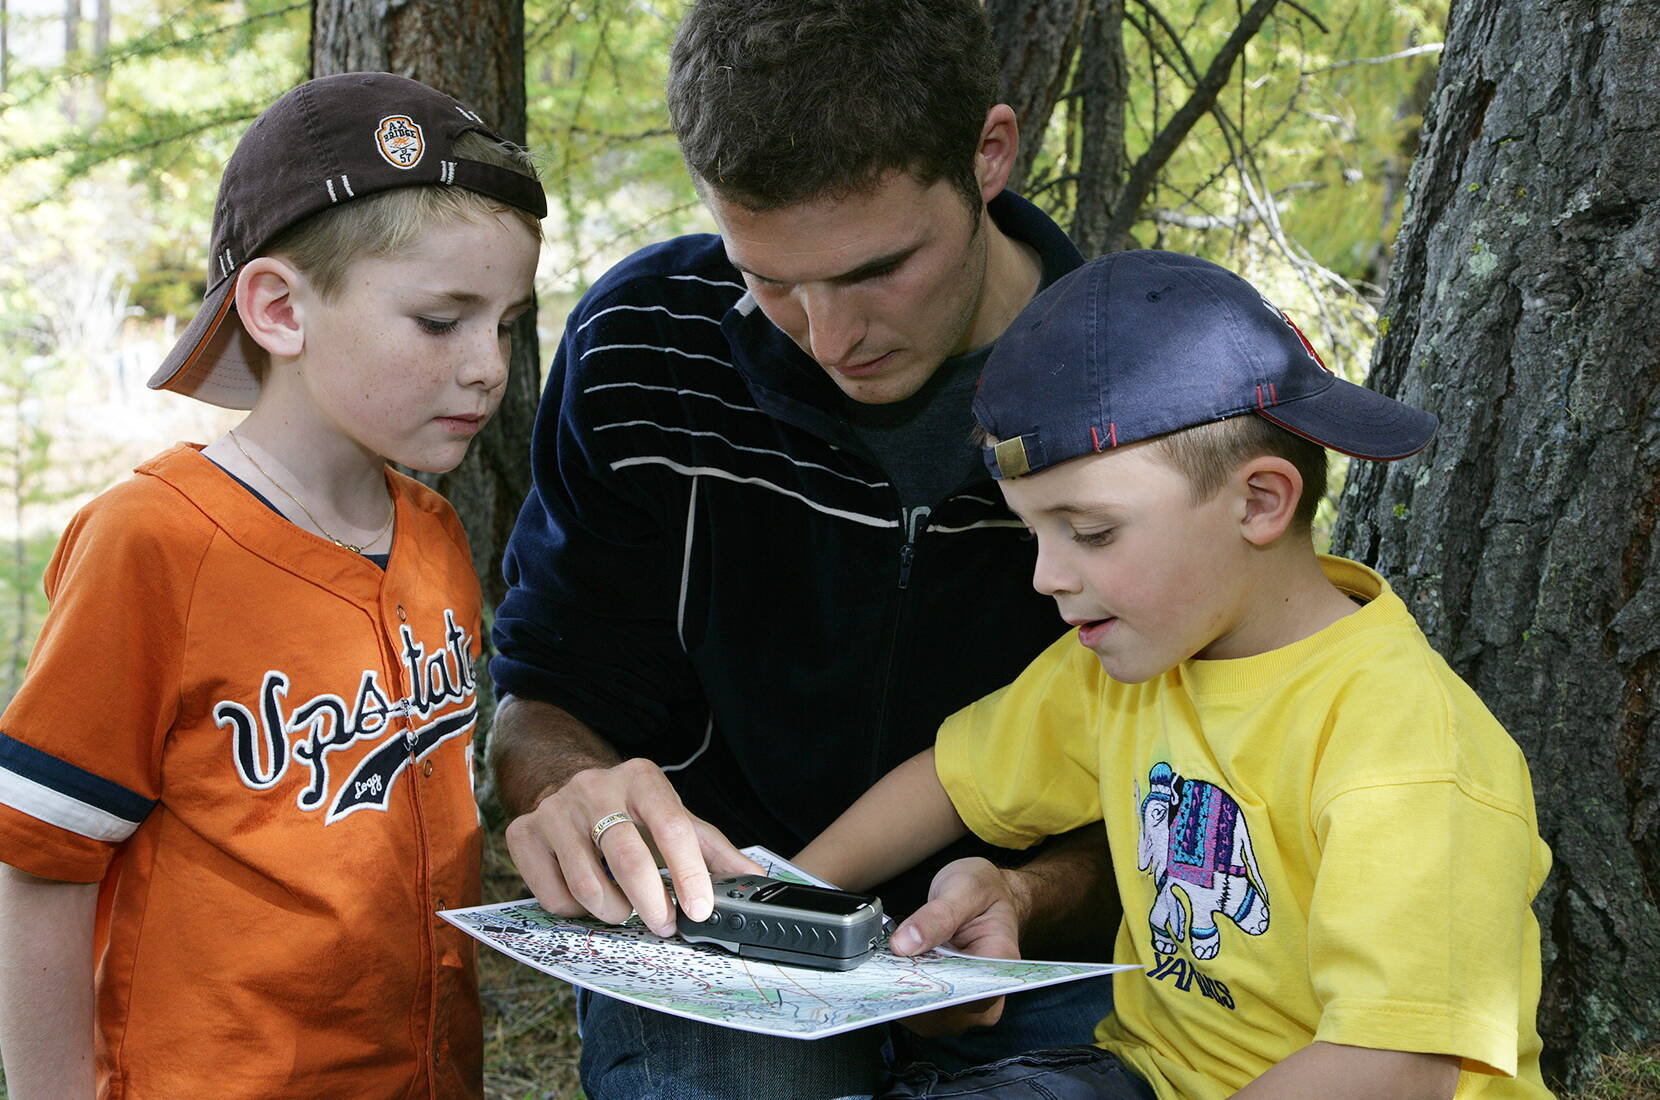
pixel 392 513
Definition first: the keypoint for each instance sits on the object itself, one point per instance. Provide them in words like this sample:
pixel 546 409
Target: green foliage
pixel 112 163
pixel 25 466
pixel 1296 178
pixel 60 305
pixel 154 118
pixel 595 71
pixel 22 605
pixel 1323 116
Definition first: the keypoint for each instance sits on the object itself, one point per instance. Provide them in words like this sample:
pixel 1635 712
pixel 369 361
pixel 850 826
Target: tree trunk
pixel 71 30
pixel 71 47
pixel 1102 87
pixel 100 46
pixel 1037 40
pixel 1521 308
pixel 474 50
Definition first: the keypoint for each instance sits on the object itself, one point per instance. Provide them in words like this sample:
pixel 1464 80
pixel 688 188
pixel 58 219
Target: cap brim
pixel 1356 421
pixel 213 360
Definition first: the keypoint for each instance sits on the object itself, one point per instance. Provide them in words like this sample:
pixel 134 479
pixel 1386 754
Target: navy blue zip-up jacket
pixel 712 571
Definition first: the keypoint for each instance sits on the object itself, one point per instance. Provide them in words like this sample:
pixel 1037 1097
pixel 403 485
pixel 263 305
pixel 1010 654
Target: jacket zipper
pixel 911 521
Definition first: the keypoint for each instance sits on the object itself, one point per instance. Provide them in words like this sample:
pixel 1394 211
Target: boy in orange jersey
pixel 1325 844
pixel 236 784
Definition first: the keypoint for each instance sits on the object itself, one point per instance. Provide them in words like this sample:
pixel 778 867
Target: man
pixel 762 561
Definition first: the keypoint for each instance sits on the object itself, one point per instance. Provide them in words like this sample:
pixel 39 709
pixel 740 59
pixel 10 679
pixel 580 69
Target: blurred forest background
pixel 1274 138
pixel 117 115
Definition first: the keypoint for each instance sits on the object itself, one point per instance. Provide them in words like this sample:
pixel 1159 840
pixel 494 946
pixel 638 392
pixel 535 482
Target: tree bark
pixel 474 50
pixel 1037 40
pixel 1103 88
pixel 1521 308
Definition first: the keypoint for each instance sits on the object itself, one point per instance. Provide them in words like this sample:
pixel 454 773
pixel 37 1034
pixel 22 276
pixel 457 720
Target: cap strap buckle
pixel 1011 457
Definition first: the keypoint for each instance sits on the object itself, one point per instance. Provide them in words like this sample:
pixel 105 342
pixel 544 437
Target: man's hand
pixel 563 779
pixel 553 848
pixel 976 908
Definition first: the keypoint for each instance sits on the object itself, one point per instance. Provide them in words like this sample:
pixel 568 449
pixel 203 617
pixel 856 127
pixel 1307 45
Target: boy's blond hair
pixel 325 245
pixel 1208 454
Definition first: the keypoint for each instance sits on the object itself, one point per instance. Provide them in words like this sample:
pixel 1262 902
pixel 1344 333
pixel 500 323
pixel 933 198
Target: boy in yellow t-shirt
pixel 1324 843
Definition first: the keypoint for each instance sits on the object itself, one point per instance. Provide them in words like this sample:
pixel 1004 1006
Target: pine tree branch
pixel 160 41
pixel 86 153
pixel 1203 99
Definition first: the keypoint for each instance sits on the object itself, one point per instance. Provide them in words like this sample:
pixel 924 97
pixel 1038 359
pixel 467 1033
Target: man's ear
pixel 265 304
pixel 999 145
pixel 1270 488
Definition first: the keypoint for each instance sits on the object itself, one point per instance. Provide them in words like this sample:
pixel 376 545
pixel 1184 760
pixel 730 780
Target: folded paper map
pixel 706 983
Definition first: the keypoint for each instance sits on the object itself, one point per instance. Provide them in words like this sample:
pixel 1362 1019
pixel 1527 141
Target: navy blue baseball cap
pixel 1137 344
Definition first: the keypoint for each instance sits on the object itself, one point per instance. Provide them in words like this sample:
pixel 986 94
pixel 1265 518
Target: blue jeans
pixel 631 1053
pixel 1061 1073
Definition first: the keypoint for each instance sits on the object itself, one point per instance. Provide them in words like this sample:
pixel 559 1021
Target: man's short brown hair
pixel 776 102
pixel 1207 455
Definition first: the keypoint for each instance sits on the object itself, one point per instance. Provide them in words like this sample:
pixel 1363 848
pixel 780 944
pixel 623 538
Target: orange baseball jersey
pixel 259 744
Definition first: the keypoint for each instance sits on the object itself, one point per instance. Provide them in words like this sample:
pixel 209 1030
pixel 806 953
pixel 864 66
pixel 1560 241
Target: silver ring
pixel 606 822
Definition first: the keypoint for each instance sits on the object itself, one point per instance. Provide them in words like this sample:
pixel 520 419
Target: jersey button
pixel 403 616
pixel 426 768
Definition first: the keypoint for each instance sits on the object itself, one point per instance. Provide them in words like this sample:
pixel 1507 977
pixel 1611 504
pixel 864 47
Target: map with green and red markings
pixel 707 983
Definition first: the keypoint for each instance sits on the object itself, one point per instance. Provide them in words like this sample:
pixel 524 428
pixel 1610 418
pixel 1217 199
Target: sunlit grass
pixel 1625 1075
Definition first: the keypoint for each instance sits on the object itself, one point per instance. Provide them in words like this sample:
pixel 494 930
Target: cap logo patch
pixel 1307 346
pixel 1011 457
pixel 399 139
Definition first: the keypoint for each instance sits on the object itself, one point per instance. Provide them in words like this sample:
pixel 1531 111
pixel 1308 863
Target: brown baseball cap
pixel 324 143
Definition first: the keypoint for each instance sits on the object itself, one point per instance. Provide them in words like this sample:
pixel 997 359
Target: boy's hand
pixel 554 850
pixel 976 908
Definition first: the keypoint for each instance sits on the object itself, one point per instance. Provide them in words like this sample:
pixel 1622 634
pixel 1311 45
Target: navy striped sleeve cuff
pixel 57 792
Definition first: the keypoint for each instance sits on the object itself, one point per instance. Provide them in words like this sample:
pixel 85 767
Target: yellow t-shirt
pixel 1331 841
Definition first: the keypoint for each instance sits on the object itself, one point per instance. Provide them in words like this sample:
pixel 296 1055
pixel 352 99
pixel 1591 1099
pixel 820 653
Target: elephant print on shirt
pixel 1195 843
